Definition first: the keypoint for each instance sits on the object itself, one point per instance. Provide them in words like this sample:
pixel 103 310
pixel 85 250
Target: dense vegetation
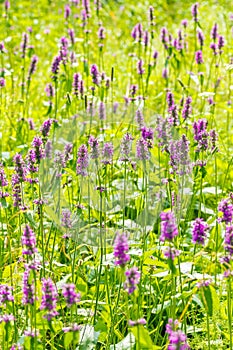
pixel 116 199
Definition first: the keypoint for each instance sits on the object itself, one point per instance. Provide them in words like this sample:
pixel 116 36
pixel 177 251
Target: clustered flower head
pixel 82 161
pixel 201 134
pixel 177 339
pixel 226 207
pixel 94 144
pixel 121 248
pixel 126 146
pixel 179 156
pixel 5 294
pixel 70 295
pixel 200 228
pixel 169 228
pixel 107 153
pixel 132 279
pixel 29 241
pixel 49 298
pixel 29 297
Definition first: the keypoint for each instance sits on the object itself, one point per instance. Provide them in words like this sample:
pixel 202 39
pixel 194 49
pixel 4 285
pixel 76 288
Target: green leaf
pixel 142 337
pixel 68 339
pixel 210 300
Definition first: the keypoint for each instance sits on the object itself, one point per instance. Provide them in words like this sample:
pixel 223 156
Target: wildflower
pixel 163 132
pixel 3 179
pixel 121 248
pixel 49 90
pixel 20 167
pixel 94 144
pixel 66 218
pixel 49 298
pixel 132 91
pixel 214 32
pixel 177 339
pixel 141 70
pixel 32 67
pixel 28 288
pixel 101 31
pixel 141 321
pixel 45 128
pixel 24 44
pixel 48 149
pixel 95 74
pixel 31 124
pixel 82 161
pixel 126 145
pixel 184 23
pixel 198 57
pixel 187 110
pixel 55 66
pixel 200 228
pixel 67 11
pixel 5 294
pixel 142 151
pixel 227 211
pixel 229 239
pixel 146 38
pixel 147 135
pixel 213 47
pixel 220 43
pixel 73 328
pixel 70 295
pixel 203 283
pixel 132 279
pixel 179 156
pixel 2 82
pixel 169 228
pixel 76 82
pixel 6 318
pixel 201 134
pixel 165 73
pixel 29 241
pixel 195 12
pixel 200 37
pixel 213 139
pixel 139 119
pixel 102 111
pixel 31 333
pixel 170 100
pixel 37 143
pixel 171 253
pixel 107 153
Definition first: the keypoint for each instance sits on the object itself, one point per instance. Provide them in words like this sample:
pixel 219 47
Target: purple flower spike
pixel 82 161
pixel 107 153
pixel 95 74
pixel 214 32
pixel 28 289
pixel 200 228
pixel 29 241
pixel 49 298
pixel 70 295
pixel 94 144
pixel 169 228
pixel 177 339
pixel 32 68
pixel 198 57
pixel 142 151
pixel 195 12
pixel 227 211
pixel 121 248
pixel 132 279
